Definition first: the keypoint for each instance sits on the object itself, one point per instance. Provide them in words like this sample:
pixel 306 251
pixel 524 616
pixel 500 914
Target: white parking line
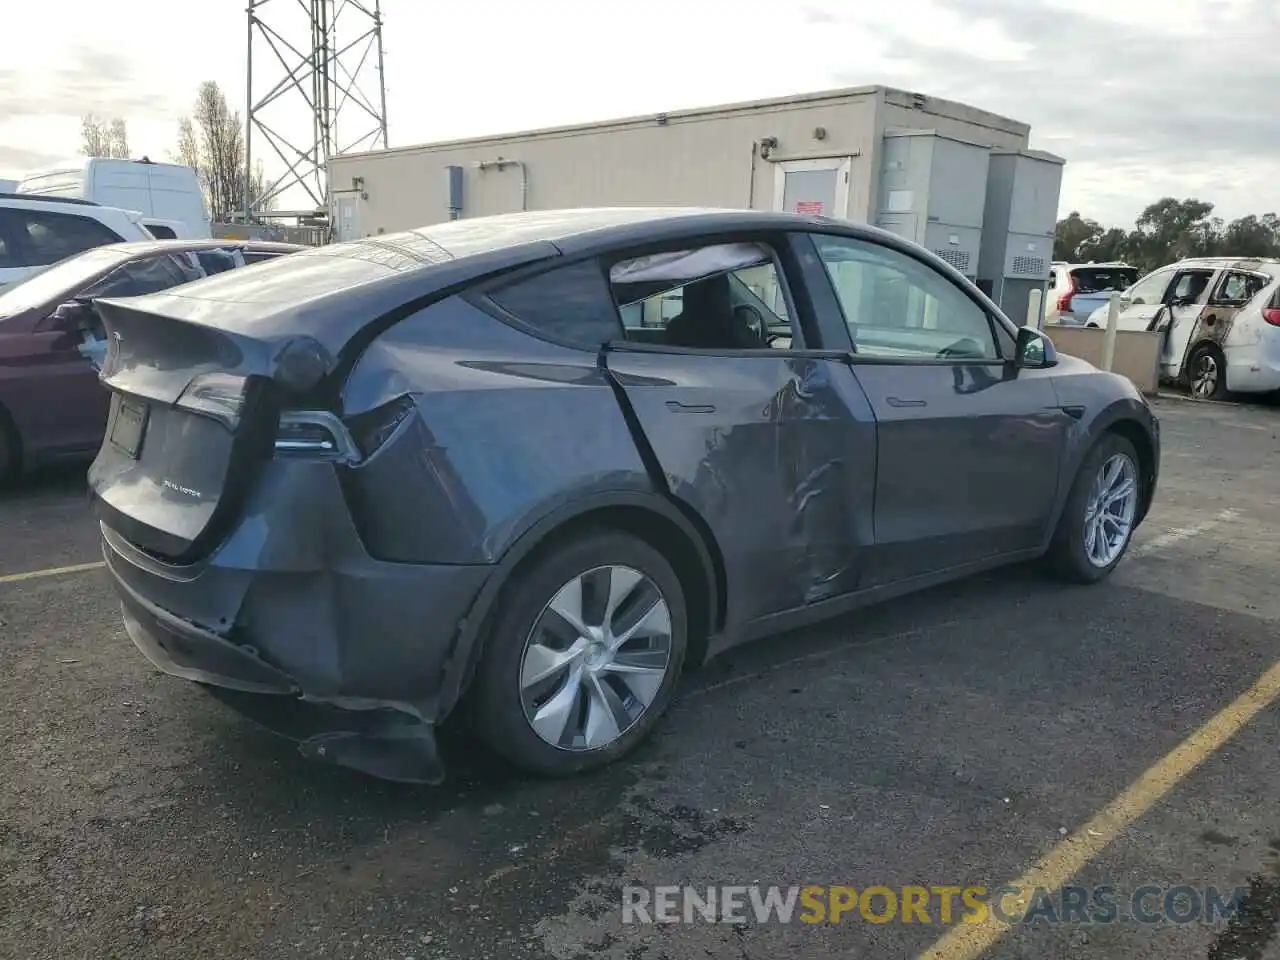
pixel 1169 538
pixel 49 572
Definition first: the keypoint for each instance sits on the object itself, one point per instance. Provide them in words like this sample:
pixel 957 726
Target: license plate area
pixel 128 424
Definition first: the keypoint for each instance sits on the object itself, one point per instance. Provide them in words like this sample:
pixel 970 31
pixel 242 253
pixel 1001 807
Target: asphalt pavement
pixel 957 738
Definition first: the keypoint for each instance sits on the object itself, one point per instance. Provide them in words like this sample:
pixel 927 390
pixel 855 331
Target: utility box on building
pixel 931 191
pixel 1023 187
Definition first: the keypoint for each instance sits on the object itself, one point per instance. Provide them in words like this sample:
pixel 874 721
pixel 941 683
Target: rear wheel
pixel 583 655
pixel 1099 516
pixel 1207 372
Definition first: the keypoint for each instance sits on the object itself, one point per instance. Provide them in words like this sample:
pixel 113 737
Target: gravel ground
pixel 949 739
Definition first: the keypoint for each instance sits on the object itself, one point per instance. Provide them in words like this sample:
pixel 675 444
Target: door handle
pixel 675 406
pixel 899 402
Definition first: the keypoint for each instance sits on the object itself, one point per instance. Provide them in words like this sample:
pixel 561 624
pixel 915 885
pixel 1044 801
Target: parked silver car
pixel 1076 290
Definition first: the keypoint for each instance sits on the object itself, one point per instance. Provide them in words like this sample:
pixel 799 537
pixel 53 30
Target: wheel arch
pixel 1140 438
pixel 1195 345
pixel 10 436
pixel 677 532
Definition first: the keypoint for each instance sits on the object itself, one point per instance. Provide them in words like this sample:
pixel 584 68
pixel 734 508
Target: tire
pixel 503 712
pixel 1070 552
pixel 1207 372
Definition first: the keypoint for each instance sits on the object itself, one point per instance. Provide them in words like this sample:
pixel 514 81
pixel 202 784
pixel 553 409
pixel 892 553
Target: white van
pixel 167 195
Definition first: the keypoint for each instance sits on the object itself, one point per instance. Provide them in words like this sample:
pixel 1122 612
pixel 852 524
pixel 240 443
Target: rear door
pixel 968 448
pixel 771 444
pixel 48 237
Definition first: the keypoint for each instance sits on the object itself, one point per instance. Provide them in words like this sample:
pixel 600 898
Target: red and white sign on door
pixel 810 208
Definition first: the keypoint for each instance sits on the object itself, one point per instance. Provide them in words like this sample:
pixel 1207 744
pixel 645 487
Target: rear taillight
pixel 1064 301
pixel 217 395
pixel 1272 316
pixel 314 435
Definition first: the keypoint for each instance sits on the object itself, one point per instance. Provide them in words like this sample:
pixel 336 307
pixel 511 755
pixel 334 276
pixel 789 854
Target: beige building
pixel 817 152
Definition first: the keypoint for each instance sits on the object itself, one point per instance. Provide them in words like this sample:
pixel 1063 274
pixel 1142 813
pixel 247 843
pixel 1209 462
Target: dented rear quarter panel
pixel 506 429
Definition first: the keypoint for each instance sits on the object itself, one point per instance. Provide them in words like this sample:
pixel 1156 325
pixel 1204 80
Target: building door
pixel 348 225
pixel 813 187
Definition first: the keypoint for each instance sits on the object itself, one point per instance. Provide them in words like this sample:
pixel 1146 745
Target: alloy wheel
pixel 596 658
pixel 1109 511
pixel 1204 376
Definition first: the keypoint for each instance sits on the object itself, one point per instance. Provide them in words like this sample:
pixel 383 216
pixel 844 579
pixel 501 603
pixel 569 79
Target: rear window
pixel 570 303
pixel 1104 279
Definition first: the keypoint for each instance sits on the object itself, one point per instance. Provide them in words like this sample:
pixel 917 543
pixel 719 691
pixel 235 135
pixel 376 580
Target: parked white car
pixel 1076 290
pixel 36 232
pixel 167 195
pixel 1221 322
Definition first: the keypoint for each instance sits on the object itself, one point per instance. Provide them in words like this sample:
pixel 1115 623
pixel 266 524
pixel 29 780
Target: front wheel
pixel 1099 516
pixel 583 655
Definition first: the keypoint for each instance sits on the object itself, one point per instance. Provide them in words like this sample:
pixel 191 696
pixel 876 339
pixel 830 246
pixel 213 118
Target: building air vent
pixel 1029 266
pixel 957 258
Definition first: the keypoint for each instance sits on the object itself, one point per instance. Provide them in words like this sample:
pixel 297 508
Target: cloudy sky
pixel 1143 98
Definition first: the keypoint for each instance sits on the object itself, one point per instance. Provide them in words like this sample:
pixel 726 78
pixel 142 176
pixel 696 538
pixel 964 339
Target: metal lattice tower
pixel 320 57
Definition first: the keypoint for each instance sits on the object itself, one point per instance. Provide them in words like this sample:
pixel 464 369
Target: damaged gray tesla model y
pixel 527 469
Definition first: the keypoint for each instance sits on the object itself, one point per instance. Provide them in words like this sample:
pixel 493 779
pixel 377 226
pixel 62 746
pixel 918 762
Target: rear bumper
pixel 293 624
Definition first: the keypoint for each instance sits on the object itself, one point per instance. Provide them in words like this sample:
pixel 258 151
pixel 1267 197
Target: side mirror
pixel 72 315
pixel 1033 350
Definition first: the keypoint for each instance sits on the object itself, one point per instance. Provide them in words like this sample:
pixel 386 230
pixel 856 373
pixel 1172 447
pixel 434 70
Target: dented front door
pixel 775 451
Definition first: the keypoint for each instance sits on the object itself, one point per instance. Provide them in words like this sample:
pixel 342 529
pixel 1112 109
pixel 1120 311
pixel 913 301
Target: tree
pixel 1171 229
pixel 1072 233
pixel 104 138
pixel 1167 231
pixel 211 141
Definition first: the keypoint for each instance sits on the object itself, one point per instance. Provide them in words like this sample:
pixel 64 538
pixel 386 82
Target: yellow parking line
pixel 968 941
pixel 49 572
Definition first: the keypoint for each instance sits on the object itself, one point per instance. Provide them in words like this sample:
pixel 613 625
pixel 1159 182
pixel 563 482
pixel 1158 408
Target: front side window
pixel 721 297
pixel 1190 285
pixel 898 307
pixel 1150 289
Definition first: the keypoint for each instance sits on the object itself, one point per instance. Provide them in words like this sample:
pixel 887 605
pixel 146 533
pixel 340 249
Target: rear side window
pixel 571 304
pixel 1240 287
pixel 47 238
pixel 1103 279
pixel 140 277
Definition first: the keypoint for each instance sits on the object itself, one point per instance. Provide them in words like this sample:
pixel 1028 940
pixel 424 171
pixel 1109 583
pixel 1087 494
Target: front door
pixel 1143 303
pixel 772 446
pixel 1184 304
pixel 967 448
pixel 813 187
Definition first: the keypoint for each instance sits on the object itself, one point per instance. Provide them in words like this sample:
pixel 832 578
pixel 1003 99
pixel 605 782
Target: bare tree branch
pixel 211 141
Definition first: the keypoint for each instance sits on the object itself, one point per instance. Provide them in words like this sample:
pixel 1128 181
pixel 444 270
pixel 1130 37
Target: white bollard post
pixel 1034 312
pixel 1109 338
